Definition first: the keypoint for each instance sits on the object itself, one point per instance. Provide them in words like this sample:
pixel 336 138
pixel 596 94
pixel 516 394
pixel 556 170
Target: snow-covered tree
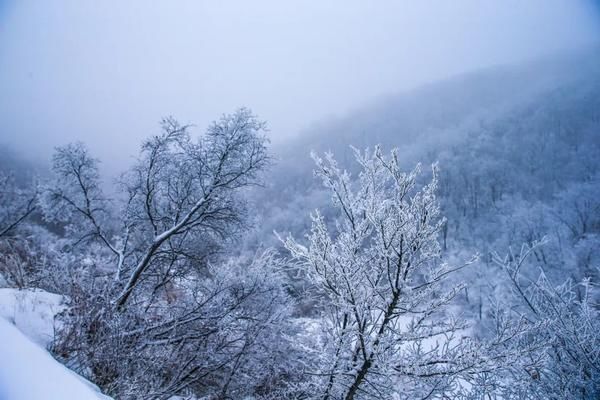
pixel 183 194
pixel 181 199
pixel 565 335
pixel 383 288
pixel 75 199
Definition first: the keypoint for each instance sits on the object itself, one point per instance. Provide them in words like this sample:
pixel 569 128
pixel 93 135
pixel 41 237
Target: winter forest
pixel 415 215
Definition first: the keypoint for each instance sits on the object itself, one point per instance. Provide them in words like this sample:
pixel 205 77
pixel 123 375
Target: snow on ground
pixel 32 311
pixel 27 370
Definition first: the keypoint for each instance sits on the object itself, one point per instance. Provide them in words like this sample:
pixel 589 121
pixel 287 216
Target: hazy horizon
pixel 107 75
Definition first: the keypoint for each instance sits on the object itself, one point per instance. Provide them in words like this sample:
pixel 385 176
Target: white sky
pixel 105 72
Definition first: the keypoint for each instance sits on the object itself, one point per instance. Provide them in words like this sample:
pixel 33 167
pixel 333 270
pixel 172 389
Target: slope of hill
pixel 28 371
pixel 517 147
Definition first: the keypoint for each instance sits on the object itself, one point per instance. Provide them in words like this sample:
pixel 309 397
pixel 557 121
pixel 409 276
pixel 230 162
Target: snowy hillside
pixel 28 371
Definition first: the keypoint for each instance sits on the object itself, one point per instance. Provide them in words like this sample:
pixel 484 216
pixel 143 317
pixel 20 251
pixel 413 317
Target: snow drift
pixel 27 370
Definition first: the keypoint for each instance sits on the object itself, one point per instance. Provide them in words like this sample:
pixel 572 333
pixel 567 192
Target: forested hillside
pixel 517 148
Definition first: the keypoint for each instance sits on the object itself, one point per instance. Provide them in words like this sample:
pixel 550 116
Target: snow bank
pixel 27 370
pixel 32 311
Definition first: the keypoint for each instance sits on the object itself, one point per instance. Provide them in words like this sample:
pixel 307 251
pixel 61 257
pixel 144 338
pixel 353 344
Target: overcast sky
pixel 105 72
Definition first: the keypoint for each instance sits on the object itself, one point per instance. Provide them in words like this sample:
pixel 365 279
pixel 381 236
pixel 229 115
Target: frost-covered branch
pixel 378 266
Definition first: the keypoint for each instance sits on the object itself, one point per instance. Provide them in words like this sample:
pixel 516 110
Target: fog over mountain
pixel 534 135
pixel 108 73
pixel 300 200
pixel 464 124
